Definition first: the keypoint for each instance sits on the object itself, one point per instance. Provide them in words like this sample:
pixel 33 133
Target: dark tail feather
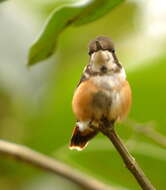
pixel 80 139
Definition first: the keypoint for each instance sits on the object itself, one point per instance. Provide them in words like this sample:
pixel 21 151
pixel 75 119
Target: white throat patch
pixel 110 81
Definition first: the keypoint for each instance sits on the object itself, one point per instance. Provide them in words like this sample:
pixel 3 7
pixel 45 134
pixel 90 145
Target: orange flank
pixel 82 100
pixel 121 104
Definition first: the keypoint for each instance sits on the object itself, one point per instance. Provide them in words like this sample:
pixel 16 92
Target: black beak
pixel 98 46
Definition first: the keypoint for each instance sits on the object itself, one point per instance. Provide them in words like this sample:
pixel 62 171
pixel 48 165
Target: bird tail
pixel 80 138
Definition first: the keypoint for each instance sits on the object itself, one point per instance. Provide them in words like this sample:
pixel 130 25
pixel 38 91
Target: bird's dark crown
pixel 101 43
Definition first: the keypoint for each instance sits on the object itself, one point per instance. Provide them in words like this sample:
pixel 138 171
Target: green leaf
pixel 1 1
pixel 77 13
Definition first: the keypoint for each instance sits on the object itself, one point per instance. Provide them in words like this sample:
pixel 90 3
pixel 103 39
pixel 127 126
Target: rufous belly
pixel 91 102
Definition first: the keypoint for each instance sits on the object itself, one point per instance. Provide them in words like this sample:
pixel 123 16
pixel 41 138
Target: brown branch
pixel 128 159
pixel 46 163
pixel 149 131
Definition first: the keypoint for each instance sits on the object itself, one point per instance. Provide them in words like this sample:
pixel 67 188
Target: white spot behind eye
pixel 111 58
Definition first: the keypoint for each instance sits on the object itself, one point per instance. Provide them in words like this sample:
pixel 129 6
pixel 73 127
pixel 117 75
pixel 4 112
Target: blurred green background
pixel 35 103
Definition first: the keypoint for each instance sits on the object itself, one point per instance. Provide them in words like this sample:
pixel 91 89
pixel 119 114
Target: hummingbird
pixel 103 92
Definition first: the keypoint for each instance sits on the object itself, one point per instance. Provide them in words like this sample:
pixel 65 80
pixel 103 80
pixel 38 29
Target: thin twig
pixel 46 163
pixel 149 131
pixel 128 159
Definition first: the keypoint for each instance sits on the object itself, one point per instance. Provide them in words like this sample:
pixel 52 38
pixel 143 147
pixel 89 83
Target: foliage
pixel 2 1
pixel 71 12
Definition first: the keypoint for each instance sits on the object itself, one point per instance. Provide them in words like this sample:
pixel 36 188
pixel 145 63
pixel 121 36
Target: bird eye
pixel 91 51
pixel 112 50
